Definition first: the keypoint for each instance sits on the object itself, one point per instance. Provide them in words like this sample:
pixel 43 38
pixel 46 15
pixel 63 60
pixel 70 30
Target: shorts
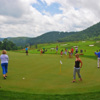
pixel 26 51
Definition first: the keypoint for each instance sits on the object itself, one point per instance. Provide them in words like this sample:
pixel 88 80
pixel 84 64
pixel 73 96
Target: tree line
pixel 7 45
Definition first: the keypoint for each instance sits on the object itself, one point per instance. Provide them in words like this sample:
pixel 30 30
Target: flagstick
pixel 60 66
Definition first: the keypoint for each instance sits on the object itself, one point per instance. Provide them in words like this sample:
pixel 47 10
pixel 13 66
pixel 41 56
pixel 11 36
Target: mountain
pixel 49 37
pixel 91 33
pixel 1 39
pixel 19 41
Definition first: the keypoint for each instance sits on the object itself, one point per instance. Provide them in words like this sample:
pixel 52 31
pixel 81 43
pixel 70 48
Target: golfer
pixel 26 49
pixel 77 68
pixel 98 55
pixel 4 63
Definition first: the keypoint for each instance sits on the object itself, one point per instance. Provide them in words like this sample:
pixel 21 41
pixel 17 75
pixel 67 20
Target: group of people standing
pixel 78 63
pixel 70 52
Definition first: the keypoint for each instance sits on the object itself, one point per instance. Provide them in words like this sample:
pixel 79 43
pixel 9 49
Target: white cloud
pixel 19 18
pixel 11 8
pixel 49 2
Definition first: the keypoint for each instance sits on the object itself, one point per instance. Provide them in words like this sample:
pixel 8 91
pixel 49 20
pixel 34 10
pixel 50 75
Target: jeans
pixel 76 70
pixel 4 68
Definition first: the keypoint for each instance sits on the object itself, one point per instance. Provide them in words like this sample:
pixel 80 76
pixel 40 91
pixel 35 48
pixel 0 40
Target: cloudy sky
pixel 32 18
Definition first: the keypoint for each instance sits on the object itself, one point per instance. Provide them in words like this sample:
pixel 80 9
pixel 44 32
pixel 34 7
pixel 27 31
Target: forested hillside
pixel 50 37
pixel 1 39
pixel 8 45
pixel 20 41
pixel 91 33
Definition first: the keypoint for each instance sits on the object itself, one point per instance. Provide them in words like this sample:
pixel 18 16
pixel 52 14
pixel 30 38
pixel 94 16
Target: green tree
pixel 8 45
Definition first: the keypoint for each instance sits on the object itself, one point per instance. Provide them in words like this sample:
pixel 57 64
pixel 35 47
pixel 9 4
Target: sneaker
pixel 4 77
pixel 73 81
pixel 80 80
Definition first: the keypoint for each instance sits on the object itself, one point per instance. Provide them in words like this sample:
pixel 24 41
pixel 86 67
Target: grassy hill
pixel 50 47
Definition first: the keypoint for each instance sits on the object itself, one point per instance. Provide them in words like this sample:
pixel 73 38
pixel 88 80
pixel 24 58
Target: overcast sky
pixel 31 18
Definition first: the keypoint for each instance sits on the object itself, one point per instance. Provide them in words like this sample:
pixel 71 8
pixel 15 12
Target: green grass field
pixel 38 77
pixel 81 45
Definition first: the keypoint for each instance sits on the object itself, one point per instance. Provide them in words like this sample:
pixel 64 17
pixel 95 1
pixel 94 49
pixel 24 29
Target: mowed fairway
pixel 40 74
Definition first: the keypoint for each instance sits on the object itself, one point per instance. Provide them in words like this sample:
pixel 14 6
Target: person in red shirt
pixel 72 50
pixel 61 53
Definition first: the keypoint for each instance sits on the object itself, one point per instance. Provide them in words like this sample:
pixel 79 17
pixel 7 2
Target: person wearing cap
pixel 77 68
pixel 4 63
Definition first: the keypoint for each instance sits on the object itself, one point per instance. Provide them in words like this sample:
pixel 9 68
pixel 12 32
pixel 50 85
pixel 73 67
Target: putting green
pixel 40 74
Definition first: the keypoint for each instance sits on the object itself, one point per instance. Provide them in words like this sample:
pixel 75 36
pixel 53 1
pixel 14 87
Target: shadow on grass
pixel 8 95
